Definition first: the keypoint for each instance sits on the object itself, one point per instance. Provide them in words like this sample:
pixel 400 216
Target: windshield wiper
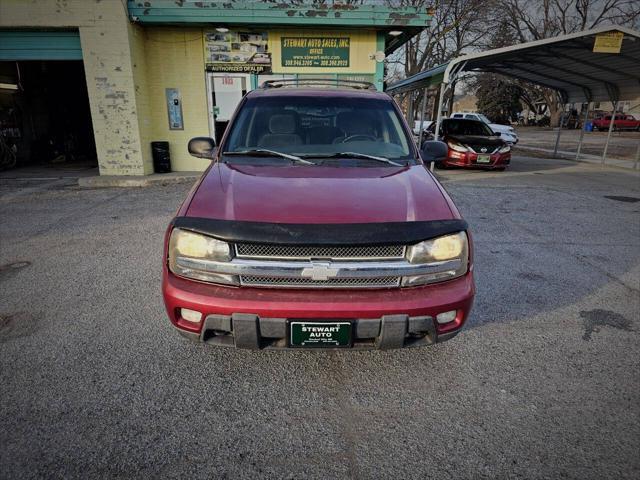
pixel 355 155
pixel 262 152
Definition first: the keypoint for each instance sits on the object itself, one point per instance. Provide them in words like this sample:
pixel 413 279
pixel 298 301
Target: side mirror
pixel 434 151
pixel 497 134
pixel 202 147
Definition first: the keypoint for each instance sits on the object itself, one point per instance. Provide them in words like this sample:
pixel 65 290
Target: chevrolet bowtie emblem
pixel 320 271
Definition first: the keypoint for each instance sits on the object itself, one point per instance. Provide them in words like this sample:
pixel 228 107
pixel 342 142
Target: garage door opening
pixel 44 113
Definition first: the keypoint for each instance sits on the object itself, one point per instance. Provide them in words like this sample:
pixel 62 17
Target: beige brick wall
pixel 113 55
pixel 175 59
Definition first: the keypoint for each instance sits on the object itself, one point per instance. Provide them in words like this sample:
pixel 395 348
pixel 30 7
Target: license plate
pixel 319 334
pixel 484 159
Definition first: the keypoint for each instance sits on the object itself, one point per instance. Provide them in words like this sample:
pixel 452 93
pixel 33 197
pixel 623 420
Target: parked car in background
pixel 318 225
pixel 507 132
pixel 622 122
pixel 425 126
pixel 473 144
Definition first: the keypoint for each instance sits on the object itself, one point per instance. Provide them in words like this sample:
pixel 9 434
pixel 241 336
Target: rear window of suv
pixel 314 125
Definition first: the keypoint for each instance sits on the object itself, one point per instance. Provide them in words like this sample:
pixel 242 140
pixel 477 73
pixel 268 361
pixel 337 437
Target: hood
pixel 300 194
pixel 498 127
pixel 478 140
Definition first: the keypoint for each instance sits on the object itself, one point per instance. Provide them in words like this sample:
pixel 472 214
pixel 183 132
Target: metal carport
pixel 567 64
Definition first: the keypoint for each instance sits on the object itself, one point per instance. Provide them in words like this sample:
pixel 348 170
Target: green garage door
pixel 37 45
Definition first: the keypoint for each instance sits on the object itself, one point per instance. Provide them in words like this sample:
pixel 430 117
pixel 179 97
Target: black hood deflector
pixel 333 234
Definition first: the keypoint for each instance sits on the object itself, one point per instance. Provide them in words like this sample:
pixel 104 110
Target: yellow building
pixel 107 78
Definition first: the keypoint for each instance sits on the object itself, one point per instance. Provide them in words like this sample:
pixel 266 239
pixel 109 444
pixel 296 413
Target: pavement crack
pixel 346 414
pixel 613 278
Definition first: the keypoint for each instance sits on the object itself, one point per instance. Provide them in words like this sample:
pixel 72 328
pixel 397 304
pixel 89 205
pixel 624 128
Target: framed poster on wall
pixel 237 52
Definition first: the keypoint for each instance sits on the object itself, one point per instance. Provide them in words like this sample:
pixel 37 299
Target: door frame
pixel 209 76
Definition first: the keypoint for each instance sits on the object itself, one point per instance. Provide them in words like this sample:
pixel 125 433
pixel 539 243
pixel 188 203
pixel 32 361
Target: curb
pixel 135 181
pixel 584 158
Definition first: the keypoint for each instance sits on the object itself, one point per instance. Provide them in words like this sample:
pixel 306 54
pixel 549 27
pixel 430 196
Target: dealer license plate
pixel 484 159
pixel 319 334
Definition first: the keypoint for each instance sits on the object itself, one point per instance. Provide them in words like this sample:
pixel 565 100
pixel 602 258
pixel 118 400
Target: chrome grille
pixel 380 282
pixel 303 252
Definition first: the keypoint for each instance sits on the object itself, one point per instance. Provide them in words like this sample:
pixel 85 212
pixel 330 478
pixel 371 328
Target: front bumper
pixel 257 318
pixel 470 160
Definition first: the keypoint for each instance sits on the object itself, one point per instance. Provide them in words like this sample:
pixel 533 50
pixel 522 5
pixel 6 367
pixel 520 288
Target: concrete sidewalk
pixel 584 157
pixel 88 176
pixel 109 181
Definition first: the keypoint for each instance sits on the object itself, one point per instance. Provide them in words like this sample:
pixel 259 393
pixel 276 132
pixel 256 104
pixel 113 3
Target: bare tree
pixel 457 26
pixel 548 18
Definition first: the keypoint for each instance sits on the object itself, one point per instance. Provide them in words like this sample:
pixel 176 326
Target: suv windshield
pixel 325 128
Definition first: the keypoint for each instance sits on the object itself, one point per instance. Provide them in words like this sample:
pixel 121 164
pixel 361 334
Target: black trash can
pixel 161 157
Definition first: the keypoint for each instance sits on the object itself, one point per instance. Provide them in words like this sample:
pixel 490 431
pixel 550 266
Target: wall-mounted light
pixel 222 29
pixel 395 33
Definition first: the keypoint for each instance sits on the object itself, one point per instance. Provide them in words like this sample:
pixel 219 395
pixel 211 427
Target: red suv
pixel 317 225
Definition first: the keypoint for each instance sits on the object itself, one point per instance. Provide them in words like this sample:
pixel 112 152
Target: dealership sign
pixel 315 51
pixel 608 42
pixel 237 52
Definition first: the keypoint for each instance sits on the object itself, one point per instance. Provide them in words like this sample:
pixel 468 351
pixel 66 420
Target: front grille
pixel 478 149
pixel 303 252
pixel 380 282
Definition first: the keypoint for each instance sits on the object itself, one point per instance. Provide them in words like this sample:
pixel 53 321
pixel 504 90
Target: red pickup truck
pixel 318 225
pixel 622 122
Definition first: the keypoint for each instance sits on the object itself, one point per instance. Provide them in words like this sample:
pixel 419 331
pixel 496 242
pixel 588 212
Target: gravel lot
pixel 623 145
pixel 543 383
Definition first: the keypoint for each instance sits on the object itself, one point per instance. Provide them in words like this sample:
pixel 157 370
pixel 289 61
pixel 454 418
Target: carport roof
pixel 566 64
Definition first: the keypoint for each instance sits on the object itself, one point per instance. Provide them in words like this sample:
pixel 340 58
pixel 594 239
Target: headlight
pixel 186 246
pixel 457 147
pixel 449 249
pixel 505 149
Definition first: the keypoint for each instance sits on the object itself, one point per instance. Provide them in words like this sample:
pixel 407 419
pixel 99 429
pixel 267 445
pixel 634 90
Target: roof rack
pixel 323 82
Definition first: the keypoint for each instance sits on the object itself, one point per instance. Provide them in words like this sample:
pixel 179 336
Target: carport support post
pixel 424 107
pixel 438 117
pixel 410 110
pixel 636 164
pixel 584 124
pixel 555 149
pixel 613 119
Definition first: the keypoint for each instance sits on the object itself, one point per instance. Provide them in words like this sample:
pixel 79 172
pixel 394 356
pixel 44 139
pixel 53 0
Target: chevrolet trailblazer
pixel 318 225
